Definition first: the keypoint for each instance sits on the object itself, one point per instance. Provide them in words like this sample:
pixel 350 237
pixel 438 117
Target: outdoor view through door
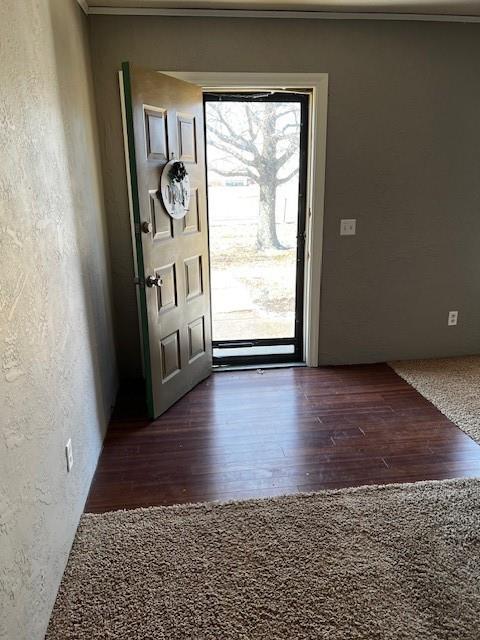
pixel 256 174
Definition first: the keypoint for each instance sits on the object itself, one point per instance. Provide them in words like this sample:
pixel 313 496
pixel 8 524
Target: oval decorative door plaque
pixel 175 189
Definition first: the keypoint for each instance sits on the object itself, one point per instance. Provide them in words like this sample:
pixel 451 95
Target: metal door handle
pixel 154 281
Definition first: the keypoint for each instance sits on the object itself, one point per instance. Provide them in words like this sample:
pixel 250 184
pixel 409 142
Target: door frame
pixel 317 84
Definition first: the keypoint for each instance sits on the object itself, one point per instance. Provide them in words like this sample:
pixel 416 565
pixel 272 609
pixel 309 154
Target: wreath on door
pixel 174 189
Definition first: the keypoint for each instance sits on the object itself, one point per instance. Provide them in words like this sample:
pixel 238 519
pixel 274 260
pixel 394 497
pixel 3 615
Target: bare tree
pixel 258 139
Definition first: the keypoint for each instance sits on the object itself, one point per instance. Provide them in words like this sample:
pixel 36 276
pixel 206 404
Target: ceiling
pixel 422 7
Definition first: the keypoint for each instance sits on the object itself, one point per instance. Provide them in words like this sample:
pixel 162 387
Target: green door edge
pixel 127 86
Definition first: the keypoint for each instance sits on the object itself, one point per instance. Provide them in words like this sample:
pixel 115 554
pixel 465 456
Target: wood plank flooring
pixel 247 434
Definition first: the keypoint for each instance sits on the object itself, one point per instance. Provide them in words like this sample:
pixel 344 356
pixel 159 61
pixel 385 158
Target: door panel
pixel 162 223
pixel 156 133
pixel 191 222
pixel 196 338
pixel 187 145
pixel 167 293
pixel 193 277
pixel 165 121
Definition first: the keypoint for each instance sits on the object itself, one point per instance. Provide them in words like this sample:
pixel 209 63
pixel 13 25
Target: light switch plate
pixel 452 318
pixel 348 227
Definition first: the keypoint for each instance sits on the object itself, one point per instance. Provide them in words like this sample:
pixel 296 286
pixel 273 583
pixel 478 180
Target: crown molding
pixel 249 13
pixel 84 6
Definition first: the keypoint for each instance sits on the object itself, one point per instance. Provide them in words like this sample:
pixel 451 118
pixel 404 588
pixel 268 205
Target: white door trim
pixel 318 84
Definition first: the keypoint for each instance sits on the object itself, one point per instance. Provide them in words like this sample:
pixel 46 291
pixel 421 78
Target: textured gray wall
pixel 57 362
pixel 403 157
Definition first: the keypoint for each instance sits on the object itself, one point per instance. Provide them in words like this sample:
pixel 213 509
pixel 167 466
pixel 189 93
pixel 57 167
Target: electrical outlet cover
pixel 348 227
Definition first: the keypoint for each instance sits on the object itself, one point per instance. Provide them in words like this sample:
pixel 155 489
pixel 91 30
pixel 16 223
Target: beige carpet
pixel 451 384
pixel 377 563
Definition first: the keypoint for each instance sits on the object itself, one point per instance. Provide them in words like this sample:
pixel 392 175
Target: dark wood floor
pixel 247 434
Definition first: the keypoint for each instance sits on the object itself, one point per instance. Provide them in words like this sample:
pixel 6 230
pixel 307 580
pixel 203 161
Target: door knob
pixel 147 227
pixel 154 281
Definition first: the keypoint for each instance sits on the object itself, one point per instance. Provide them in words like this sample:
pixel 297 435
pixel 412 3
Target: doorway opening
pixel 256 145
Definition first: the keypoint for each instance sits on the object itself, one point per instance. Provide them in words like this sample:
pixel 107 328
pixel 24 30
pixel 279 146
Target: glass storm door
pixel 256 175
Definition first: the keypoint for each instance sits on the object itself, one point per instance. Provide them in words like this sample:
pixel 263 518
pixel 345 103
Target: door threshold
pixel 218 368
